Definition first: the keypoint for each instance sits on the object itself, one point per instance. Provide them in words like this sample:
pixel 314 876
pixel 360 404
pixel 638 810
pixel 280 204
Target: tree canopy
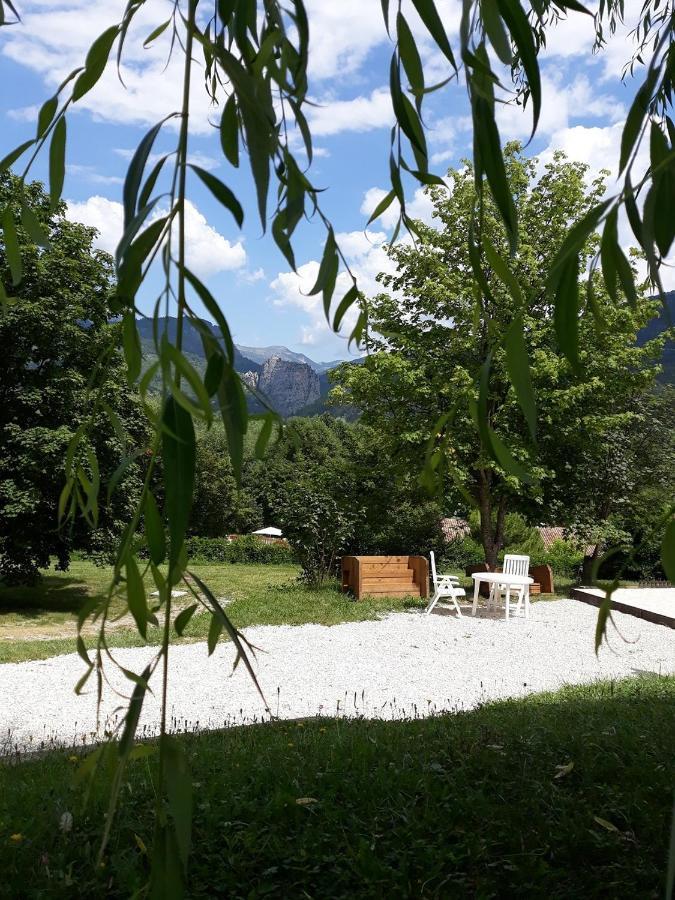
pixel 426 380
pixel 53 336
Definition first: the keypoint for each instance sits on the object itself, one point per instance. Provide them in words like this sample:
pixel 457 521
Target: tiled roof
pixel 551 533
pixel 455 527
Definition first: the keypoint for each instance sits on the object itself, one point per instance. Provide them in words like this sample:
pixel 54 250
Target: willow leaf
pixel 131 344
pixel 154 530
pixel 635 118
pixel 507 460
pixel 57 161
pixel 132 182
pixel 264 436
pixel 155 33
pixel 522 36
pixel 178 457
pixel 46 115
pixel 222 193
pixel 494 28
pixel 229 131
pixel 214 310
pixel 426 9
pixel 518 367
pixel 179 793
pixel 215 630
pixel 410 57
pixel 183 617
pixel 345 304
pixel 138 605
pixel 13 155
pixel 33 227
pixel 566 312
pixel 95 63
pixel 492 163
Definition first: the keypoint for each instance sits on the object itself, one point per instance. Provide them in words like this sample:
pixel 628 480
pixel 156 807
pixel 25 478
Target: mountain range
pixel 293 384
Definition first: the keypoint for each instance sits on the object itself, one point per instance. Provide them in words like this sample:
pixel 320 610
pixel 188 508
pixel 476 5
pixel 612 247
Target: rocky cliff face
pixel 287 385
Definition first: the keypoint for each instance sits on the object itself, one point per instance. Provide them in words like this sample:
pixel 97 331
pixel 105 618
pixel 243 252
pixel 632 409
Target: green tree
pixel 53 335
pixel 632 471
pixel 334 489
pixel 306 487
pixel 221 506
pixel 430 336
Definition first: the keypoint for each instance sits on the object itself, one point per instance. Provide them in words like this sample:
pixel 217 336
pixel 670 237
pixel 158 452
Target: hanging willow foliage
pixel 255 56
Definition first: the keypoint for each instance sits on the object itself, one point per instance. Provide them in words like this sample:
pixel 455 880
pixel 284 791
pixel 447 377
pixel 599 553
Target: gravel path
pixel 405 664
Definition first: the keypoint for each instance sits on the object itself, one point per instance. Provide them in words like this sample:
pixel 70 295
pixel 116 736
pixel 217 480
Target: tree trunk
pixel 499 529
pixel 487 535
pixel 491 534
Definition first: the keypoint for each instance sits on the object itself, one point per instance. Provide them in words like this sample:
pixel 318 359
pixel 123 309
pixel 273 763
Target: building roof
pixel 455 528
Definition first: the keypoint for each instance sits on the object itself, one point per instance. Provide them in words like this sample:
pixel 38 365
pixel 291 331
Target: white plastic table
pixel 506 581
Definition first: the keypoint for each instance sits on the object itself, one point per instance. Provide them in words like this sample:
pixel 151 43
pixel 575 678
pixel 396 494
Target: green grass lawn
pixel 39 622
pixel 565 795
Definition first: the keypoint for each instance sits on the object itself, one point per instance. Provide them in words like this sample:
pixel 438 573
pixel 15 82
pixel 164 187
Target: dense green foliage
pixel 246 548
pixel 53 336
pixel 328 485
pixel 431 360
pixel 561 795
pixel 624 485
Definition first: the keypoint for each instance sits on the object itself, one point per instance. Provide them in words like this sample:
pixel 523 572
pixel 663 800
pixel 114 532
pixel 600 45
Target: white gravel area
pixel 405 664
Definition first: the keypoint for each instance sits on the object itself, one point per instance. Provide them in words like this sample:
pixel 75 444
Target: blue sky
pixel 585 104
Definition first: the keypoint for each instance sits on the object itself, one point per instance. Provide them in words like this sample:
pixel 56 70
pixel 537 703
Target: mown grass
pixel 259 595
pixel 559 795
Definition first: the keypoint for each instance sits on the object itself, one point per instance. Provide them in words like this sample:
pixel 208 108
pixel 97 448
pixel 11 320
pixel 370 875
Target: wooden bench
pixel 385 576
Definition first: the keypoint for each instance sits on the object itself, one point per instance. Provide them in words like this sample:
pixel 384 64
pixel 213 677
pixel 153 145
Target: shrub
pixel 523 539
pixel 565 558
pixel 460 553
pixel 317 524
pixel 244 549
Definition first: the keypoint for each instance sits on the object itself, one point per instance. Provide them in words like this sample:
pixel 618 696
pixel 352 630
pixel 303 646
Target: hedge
pixel 244 549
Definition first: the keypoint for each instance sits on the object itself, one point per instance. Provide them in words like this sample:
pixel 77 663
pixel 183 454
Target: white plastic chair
pixel 444 586
pixel 513 565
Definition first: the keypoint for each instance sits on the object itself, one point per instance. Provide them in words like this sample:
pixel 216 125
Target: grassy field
pixel 39 622
pixel 565 795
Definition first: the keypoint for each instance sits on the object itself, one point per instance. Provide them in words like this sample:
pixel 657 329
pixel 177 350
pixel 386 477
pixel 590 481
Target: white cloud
pixel 53 40
pixel 249 277
pixel 89 173
pixel 442 156
pixel 367 257
pixel 341 36
pixel 207 251
pixel 203 160
pixel 106 216
pixel 358 114
pixel 561 102
pixel 420 207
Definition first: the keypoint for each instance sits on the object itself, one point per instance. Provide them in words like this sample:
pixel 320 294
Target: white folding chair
pixel 513 565
pixel 444 586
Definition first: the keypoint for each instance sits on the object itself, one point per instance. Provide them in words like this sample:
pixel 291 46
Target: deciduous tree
pixel 426 382
pixel 54 335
